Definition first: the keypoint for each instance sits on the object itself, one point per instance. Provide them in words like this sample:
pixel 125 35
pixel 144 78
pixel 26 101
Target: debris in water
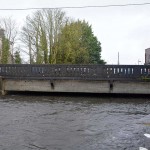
pixel 147 135
pixel 142 148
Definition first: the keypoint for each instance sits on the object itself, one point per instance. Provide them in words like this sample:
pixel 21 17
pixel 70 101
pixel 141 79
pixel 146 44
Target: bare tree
pixel 28 40
pixel 40 34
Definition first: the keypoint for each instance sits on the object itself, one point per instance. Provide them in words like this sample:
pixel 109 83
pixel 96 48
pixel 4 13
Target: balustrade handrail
pixel 91 72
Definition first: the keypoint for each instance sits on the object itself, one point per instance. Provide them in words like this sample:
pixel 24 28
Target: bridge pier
pixel 2 89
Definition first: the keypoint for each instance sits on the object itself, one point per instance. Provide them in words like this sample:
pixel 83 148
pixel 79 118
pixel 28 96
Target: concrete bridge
pixel 125 79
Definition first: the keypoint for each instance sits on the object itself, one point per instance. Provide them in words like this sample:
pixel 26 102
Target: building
pixel 147 56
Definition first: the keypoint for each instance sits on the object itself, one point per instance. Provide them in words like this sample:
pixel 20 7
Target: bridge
pixel 124 79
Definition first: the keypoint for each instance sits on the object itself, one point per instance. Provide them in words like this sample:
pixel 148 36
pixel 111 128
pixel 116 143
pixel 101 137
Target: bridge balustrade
pixel 92 72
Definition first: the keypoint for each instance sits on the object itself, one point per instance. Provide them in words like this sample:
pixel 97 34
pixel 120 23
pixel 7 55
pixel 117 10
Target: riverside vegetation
pixel 48 36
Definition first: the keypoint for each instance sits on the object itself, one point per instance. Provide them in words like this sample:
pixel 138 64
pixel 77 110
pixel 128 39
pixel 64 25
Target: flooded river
pixel 72 122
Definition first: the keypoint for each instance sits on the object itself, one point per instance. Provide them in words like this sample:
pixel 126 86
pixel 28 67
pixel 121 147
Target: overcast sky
pixel 119 29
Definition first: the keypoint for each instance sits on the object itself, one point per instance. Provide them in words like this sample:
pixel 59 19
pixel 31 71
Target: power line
pixel 76 7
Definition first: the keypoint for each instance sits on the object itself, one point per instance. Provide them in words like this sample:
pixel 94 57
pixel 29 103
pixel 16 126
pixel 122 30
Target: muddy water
pixel 71 123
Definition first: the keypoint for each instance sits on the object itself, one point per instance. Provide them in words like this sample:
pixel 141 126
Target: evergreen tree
pixel 78 45
pixel 17 58
pixel 5 50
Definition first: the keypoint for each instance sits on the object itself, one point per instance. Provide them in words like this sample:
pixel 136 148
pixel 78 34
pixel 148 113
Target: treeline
pixel 50 37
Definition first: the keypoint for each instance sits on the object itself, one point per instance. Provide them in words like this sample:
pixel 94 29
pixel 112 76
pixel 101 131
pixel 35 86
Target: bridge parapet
pixel 84 72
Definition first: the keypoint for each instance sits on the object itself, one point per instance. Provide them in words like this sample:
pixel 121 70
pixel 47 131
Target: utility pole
pixel 118 59
pixel 139 62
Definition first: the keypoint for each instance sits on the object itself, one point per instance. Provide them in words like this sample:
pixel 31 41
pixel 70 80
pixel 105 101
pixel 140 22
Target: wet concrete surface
pixel 76 123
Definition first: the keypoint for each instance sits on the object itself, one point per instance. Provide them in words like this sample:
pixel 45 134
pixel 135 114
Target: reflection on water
pixel 64 123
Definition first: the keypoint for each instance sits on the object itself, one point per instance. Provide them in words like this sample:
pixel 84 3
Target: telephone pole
pixel 118 59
